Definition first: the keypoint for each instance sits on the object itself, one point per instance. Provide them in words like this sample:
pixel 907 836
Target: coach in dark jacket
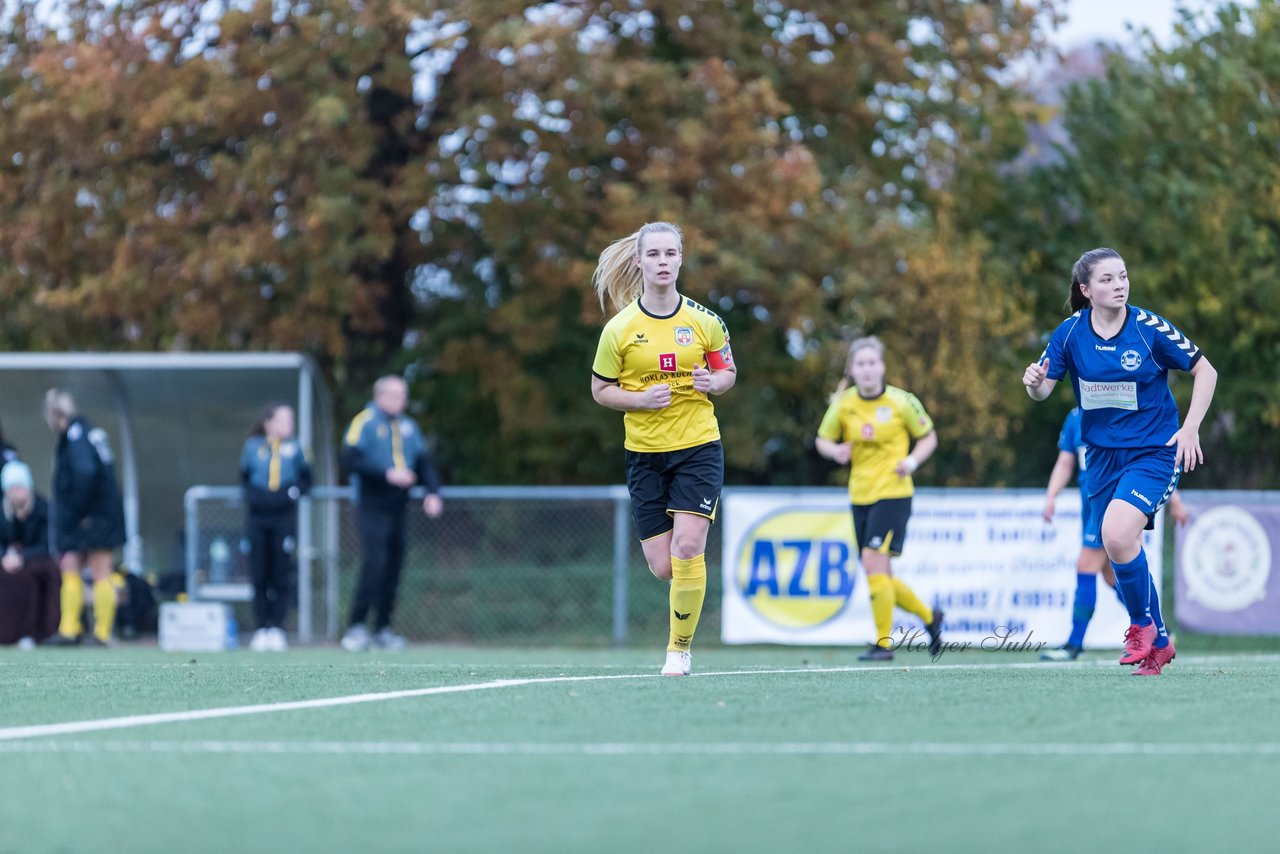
pixel 88 518
pixel 275 474
pixel 29 582
pixel 386 455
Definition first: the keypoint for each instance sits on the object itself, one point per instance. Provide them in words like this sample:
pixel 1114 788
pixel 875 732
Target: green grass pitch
pixel 787 750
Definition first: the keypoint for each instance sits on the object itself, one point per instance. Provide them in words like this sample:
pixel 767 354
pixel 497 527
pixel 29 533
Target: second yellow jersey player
pixel 871 426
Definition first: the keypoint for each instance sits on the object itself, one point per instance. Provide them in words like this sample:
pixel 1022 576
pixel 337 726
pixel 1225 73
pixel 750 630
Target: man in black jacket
pixel 386 455
pixel 88 518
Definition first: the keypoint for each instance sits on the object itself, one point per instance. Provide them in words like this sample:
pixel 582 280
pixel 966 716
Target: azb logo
pixel 796 567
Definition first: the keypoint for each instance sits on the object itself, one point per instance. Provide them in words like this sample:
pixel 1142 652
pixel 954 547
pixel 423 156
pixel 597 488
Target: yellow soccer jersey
pixel 878 429
pixel 638 350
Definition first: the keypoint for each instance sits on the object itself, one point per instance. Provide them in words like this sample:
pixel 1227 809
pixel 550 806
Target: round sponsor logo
pixel 1226 559
pixel 796 567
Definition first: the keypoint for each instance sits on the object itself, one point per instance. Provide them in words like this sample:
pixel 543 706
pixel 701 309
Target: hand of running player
pixel 701 379
pixel 1189 454
pixel 1035 374
pixel 656 396
pixel 842 452
pixel 1049 507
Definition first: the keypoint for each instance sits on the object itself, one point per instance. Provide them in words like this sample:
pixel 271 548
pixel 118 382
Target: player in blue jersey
pixel 1092 561
pixel 1119 357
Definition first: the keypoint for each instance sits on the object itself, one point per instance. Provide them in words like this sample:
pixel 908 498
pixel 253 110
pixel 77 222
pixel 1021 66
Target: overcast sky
pixel 1091 20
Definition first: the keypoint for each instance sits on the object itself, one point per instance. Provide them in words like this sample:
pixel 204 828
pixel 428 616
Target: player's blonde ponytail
pixel 617 276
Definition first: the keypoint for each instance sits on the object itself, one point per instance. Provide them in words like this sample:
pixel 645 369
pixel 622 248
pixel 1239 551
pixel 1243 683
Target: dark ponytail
pixel 1081 272
pixel 259 426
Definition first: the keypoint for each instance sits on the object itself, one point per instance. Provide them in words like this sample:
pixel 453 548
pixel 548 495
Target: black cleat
pixel 934 628
pixel 92 640
pixel 875 652
pixel 60 640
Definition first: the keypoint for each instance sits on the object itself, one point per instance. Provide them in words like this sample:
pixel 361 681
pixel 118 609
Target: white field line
pixel 129 721
pixel 818 748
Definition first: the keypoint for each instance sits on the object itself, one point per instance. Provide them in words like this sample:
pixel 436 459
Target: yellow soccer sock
pixel 910 602
pixel 72 603
pixel 104 609
pixel 882 601
pixel 688 589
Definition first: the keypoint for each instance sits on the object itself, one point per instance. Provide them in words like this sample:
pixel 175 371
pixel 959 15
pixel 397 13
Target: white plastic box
pixel 196 627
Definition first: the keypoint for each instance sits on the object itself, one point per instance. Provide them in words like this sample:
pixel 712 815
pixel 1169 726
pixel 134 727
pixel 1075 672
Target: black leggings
pixel 272 543
pixel 382 541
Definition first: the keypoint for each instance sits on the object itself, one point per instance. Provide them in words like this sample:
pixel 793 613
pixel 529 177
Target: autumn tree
pixel 425 185
pixel 1171 160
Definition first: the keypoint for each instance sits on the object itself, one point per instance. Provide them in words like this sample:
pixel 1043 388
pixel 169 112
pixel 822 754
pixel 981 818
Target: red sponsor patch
pixel 666 361
pixel 868 431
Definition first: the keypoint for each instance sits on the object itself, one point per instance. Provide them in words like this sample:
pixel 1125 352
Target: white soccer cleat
pixel 277 640
pixel 678 664
pixel 261 640
pixel 356 639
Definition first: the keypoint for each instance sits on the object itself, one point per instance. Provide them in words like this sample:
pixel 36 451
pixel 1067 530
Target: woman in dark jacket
pixel 275 474
pixel 29 582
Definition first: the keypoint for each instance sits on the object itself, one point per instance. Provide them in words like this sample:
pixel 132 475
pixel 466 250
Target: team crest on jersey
pixel 684 335
pixel 1130 360
pixel 884 413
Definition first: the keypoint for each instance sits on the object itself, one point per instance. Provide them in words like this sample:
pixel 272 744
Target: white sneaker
pixel 389 640
pixel 261 641
pixel 678 664
pixel 356 639
pixel 276 640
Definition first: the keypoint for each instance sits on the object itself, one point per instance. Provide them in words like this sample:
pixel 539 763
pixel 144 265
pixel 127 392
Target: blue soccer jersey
pixel 1122 382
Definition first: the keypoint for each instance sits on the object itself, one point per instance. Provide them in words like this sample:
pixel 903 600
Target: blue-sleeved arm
pixel 356 448
pixel 246 462
pixel 1172 348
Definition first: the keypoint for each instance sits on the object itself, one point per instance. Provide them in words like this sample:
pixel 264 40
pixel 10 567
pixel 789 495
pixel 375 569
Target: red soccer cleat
pixel 1137 643
pixel 1156 661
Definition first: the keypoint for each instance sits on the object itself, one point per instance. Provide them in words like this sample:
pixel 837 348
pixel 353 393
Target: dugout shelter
pixel 174 419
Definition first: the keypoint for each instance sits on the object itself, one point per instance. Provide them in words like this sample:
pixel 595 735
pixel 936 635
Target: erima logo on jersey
pixel 640 339
pixel 1138 495
pixel 1130 360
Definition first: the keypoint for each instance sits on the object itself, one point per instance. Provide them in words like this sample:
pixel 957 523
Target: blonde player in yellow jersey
pixel 659 360
pixel 870 426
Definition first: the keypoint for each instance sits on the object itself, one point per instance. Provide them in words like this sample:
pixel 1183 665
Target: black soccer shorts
pixel 684 481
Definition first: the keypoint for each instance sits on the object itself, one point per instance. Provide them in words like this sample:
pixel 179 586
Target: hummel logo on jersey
pixel 1106 348
pixel 680 616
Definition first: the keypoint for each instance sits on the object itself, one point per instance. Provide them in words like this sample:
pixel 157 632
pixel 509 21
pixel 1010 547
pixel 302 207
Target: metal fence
pixel 503 565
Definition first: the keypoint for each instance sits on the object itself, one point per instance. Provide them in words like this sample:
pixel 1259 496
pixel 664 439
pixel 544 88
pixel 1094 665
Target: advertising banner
pixel 1226 557
pixel 1004 577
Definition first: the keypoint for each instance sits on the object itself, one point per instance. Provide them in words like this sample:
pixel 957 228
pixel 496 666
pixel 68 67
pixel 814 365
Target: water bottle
pixel 219 561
